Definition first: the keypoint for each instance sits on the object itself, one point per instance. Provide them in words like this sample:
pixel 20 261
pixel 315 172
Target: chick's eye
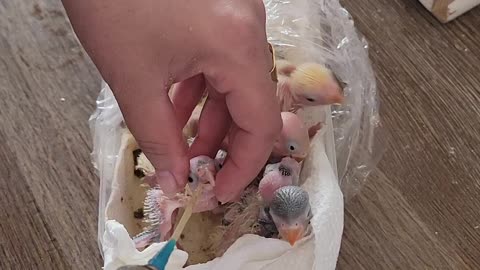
pixel 190 179
pixel 292 146
pixel 310 99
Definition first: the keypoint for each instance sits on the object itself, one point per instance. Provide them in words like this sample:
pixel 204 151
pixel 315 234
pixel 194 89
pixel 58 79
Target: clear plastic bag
pixel 342 154
pixel 327 35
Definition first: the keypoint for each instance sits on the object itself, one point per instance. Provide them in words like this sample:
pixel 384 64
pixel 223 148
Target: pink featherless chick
pixel 284 173
pixel 309 84
pixel 160 208
pixel 202 175
pixel 294 139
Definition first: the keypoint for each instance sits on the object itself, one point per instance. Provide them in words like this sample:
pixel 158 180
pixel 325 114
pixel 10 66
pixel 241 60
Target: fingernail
pixel 223 199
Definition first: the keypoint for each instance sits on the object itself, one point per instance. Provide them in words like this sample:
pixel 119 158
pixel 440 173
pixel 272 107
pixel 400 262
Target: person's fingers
pixel 185 96
pixel 248 152
pixel 252 104
pixel 212 127
pixel 150 117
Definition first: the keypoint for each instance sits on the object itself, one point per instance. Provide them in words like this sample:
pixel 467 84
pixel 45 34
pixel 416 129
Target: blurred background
pixel 418 210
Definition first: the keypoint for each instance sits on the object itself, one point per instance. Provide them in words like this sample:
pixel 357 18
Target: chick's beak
pixel 337 99
pixel 299 157
pixel 206 175
pixel 292 234
pixel 336 95
pixel 210 176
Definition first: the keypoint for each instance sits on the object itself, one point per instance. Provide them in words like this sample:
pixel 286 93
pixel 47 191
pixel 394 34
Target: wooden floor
pixel 419 210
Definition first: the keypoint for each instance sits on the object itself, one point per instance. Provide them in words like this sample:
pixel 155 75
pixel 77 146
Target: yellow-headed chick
pixel 309 84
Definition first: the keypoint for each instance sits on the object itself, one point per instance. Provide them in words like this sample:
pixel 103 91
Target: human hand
pixel 142 48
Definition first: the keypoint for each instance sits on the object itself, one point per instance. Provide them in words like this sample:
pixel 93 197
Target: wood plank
pixel 383 231
pixel 48 88
pixel 430 97
pixel 27 241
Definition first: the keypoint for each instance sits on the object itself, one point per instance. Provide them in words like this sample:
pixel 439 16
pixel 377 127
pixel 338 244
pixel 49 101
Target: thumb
pixel 150 117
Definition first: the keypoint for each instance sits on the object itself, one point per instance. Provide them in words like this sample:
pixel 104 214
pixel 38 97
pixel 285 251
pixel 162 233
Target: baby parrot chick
pixel 291 213
pixel 160 208
pixel 294 140
pixel 286 216
pixel 284 173
pixel 309 84
pixel 202 175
